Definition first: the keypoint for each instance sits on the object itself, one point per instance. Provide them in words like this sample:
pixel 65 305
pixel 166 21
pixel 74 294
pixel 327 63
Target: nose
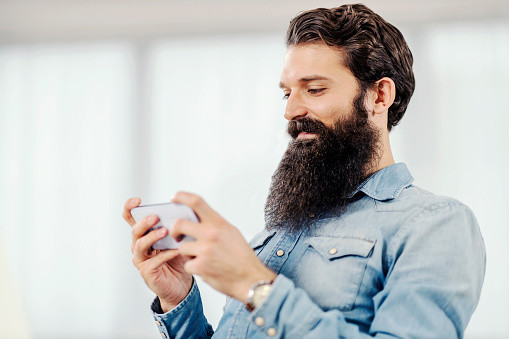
pixel 295 108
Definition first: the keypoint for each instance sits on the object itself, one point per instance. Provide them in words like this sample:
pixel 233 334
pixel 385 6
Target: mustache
pixel 307 125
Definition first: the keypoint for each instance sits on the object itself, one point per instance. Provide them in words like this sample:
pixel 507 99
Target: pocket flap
pixel 332 248
pixel 261 239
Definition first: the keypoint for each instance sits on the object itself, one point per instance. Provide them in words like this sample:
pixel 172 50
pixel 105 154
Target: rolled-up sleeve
pixel 186 320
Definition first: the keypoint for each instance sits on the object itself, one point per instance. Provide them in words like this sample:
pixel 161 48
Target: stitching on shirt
pixel 194 289
pixel 426 209
pixel 423 191
pixel 394 195
pixel 235 318
pixel 329 235
pixel 444 303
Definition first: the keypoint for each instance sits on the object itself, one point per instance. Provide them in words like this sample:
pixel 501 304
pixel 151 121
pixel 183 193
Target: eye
pixel 316 90
pixel 286 96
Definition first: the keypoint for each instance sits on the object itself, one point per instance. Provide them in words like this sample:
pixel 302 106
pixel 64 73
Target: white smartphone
pixel 168 213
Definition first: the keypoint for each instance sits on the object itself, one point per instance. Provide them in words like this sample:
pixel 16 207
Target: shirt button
pixel 158 322
pixel 333 251
pixel 280 253
pixel 164 334
pixel 259 321
pixel 271 332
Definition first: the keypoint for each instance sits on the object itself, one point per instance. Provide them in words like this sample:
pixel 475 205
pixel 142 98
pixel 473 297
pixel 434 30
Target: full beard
pixel 318 176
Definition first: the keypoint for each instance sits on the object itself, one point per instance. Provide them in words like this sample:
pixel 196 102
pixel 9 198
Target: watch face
pixel 260 294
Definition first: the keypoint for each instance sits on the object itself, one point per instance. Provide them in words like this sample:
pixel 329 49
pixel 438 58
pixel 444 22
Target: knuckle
pixel 138 230
pixel 214 235
pixel 178 196
pixel 126 215
pixel 138 243
pixel 195 201
pixel 178 223
pixel 177 226
pixel 208 250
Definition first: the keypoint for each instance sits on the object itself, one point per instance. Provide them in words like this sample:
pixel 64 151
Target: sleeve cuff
pixel 267 317
pixel 158 310
pixel 186 320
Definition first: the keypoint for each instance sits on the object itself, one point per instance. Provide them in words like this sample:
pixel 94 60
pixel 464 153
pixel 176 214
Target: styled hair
pixel 371 48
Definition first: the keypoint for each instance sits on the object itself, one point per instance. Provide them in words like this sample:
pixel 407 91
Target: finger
pixel 152 264
pixel 128 206
pixel 189 249
pixel 192 267
pixel 141 228
pixel 183 227
pixel 199 206
pixel 142 247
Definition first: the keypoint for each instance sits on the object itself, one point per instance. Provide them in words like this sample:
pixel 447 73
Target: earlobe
pixel 385 94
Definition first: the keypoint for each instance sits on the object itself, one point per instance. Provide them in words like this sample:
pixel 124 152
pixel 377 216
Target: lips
pixel 306 135
pixel 306 129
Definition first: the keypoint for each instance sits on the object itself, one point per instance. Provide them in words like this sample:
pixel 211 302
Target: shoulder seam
pixel 433 207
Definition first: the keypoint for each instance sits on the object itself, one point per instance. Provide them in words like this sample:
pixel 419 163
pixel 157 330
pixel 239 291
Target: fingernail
pixel 134 201
pixel 162 231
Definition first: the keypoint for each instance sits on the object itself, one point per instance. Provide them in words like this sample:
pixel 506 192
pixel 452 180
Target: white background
pixel 96 108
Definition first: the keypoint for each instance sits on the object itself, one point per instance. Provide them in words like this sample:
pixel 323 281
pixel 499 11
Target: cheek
pixel 330 113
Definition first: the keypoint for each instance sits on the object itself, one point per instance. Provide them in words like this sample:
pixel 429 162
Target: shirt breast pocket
pixel 331 270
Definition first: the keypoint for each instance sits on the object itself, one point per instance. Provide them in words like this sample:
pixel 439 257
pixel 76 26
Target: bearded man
pixel 351 248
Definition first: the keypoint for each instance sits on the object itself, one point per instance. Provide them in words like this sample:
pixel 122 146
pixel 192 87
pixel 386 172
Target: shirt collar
pixel 386 183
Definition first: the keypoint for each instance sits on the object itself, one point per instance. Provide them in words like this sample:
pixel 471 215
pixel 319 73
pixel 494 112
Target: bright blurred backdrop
pixel 105 100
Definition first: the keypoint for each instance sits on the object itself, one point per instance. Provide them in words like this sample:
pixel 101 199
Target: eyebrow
pixel 307 79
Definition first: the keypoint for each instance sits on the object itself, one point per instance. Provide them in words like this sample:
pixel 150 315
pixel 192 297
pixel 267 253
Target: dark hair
pixel 372 48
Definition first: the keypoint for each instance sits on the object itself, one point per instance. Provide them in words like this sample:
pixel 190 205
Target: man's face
pixel 317 85
pixel 334 145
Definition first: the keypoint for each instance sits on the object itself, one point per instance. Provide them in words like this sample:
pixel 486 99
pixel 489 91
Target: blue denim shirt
pixel 399 263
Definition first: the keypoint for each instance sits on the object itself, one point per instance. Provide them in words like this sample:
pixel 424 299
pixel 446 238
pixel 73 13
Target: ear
pixel 385 92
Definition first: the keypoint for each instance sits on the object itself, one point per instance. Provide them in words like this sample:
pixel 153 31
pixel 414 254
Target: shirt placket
pixel 276 258
pixel 280 252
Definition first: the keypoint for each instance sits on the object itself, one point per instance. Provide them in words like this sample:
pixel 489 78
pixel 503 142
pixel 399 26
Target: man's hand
pixel 163 271
pixel 220 255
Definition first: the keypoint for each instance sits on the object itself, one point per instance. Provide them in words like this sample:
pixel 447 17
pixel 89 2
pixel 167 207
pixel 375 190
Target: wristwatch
pixel 257 294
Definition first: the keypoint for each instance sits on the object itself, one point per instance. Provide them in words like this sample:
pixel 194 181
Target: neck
pixel 386 158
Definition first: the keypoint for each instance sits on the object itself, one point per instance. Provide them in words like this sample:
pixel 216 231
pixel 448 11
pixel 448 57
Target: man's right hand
pixel 163 271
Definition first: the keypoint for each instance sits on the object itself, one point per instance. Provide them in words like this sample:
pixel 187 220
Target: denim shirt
pixel 399 263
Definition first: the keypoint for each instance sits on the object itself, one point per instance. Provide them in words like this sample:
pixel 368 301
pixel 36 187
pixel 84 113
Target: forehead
pixel 317 59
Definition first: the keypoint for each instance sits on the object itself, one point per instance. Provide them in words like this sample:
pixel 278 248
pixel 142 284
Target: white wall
pixel 65 120
pixel 85 126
